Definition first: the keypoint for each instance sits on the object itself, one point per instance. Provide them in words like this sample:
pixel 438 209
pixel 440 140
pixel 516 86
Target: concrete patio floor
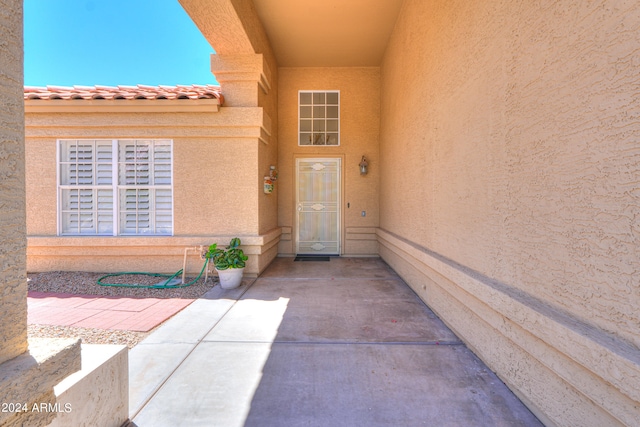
pixel 338 343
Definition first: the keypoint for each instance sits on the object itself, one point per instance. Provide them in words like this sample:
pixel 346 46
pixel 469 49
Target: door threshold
pixel 313 257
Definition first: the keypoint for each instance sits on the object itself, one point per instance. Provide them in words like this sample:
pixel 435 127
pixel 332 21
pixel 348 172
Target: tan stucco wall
pixel 216 191
pixel 509 191
pixel 359 129
pixel 268 154
pixel 214 187
pixel 247 70
pixel 13 304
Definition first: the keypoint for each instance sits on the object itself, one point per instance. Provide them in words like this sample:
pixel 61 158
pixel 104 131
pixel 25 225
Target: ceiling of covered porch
pixel 328 33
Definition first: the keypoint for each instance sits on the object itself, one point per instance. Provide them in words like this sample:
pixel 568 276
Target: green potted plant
pixel 228 262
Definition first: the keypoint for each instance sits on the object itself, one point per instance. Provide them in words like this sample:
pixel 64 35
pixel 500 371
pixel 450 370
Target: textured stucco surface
pixel 216 190
pixel 13 282
pixel 214 164
pixel 212 16
pixel 98 394
pixel 249 73
pixel 514 141
pixel 564 370
pixel 359 130
pixel 508 131
pixel 30 378
pixel 25 377
pixel 268 100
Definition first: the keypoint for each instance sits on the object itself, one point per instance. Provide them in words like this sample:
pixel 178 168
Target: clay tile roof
pixel 124 92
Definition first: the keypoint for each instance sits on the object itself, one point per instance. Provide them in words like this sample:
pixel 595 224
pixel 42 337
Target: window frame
pixel 115 187
pixel 312 119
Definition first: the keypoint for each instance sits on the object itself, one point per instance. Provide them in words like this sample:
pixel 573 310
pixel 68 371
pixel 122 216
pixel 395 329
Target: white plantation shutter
pixel 105 211
pixel 134 211
pixel 163 211
pixel 104 163
pixel 134 163
pixel 146 199
pixel 87 188
pixel 162 163
pixel 86 193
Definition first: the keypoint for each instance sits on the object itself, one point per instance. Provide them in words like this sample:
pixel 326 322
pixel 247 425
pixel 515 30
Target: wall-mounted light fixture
pixel 363 166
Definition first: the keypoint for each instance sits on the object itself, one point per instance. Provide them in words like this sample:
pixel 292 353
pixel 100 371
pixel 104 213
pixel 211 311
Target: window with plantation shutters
pixel 115 187
pixel 86 187
pixel 144 182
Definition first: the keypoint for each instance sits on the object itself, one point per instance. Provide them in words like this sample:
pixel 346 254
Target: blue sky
pixel 113 42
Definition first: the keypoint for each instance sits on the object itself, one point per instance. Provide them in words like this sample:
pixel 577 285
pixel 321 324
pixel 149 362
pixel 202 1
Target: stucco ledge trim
pixel 609 357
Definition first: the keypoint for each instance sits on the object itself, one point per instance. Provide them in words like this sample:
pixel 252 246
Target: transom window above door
pixel 318 117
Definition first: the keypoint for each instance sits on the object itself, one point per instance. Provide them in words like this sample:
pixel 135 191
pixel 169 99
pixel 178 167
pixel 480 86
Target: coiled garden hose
pixel 164 285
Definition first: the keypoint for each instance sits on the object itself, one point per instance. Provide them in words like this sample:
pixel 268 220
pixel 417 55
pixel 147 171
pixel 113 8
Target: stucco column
pixel 13 281
pixel 26 377
pixel 241 78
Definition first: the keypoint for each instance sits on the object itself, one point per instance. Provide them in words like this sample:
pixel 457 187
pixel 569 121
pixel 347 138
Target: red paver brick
pixel 171 304
pixel 89 311
pixel 177 302
pixel 38 315
pixel 58 300
pixel 58 315
pixel 77 314
pixel 103 303
pixel 139 325
pixel 136 304
pixel 148 319
pixel 70 301
pixel 103 320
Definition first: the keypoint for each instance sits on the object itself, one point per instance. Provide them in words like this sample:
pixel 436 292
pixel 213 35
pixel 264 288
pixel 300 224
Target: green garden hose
pixel 164 285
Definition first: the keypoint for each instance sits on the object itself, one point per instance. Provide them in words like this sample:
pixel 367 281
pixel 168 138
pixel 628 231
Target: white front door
pixel 318 206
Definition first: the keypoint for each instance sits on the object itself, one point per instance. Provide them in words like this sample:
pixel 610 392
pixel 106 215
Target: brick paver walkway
pixel 90 311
